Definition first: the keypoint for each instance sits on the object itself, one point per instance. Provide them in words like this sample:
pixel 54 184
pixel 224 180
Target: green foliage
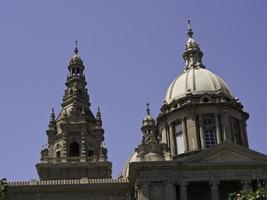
pixel 3 189
pixel 259 194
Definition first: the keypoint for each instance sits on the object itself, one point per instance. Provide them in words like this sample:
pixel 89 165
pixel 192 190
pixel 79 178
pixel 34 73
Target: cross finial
pixel 76 51
pixel 189 28
pixel 147 109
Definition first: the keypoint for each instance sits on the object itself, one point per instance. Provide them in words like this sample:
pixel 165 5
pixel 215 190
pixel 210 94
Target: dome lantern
pixel 192 54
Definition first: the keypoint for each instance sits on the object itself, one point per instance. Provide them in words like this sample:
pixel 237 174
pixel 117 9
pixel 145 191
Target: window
pixel 58 154
pixel 209 128
pixel 74 149
pixel 78 71
pixel 178 132
pixel 58 151
pixel 90 152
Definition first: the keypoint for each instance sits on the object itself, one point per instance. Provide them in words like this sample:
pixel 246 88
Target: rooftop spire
pixel 76 50
pixel 52 117
pixel 98 114
pixel 189 28
pixel 147 109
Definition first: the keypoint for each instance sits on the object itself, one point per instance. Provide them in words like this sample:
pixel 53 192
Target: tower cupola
pixel 76 66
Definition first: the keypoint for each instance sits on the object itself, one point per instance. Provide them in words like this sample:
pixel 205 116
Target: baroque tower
pixel 75 138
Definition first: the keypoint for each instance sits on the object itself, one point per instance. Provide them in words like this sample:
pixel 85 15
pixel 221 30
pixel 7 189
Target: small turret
pixel 52 122
pixel 150 149
pixel 148 128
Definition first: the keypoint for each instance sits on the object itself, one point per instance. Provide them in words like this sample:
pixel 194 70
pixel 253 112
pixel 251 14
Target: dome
pixel 132 158
pixel 148 119
pixel 76 59
pixel 196 80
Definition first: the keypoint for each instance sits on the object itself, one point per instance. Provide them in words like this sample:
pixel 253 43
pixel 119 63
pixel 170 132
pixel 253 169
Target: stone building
pixel 196 149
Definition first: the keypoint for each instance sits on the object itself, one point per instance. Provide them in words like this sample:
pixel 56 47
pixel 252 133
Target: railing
pixel 67 182
pixel 68 159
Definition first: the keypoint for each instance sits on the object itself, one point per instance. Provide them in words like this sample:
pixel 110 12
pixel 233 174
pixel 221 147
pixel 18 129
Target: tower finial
pixel 189 28
pixel 76 51
pixel 52 117
pixel 98 114
pixel 147 109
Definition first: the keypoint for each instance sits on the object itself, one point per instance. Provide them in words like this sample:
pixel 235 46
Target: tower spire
pixel 147 109
pixel 52 117
pixel 189 28
pixel 98 114
pixel 76 50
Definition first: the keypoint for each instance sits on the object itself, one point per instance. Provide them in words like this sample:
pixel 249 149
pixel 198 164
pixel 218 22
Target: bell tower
pixel 76 137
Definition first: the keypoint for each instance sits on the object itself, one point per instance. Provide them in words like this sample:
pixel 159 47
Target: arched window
pixel 209 128
pixel 74 149
pixel 58 151
pixel 90 152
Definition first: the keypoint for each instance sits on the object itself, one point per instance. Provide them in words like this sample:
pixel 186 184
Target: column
pixel 225 124
pixel 170 191
pixel 172 142
pixel 201 132
pixel 186 147
pixel 143 192
pixel 164 135
pixel 214 190
pixel 218 129
pixel 183 191
pixel 245 184
pixel 244 133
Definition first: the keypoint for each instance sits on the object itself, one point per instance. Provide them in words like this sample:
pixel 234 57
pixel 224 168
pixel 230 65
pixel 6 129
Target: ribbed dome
pixel 196 80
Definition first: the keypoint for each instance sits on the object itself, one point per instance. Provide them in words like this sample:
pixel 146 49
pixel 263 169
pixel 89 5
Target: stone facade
pixel 196 149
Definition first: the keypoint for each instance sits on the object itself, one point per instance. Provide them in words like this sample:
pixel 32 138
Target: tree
pixel 3 189
pixel 259 194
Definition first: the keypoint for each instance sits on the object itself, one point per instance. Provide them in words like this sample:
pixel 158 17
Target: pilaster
pixel 186 146
pixel 183 190
pixel 170 191
pixel 172 142
pixel 143 192
pixel 214 190
pixel 201 132
pixel 83 148
pixel 218 129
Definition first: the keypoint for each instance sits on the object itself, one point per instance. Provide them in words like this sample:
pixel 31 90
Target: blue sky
pixel 132 50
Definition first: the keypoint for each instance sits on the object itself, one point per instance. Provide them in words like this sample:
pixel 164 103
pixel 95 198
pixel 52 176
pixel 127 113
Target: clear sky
pixel 132 50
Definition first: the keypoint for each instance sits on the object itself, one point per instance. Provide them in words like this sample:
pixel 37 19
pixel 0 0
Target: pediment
pixel 227 156
pixel 227 153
